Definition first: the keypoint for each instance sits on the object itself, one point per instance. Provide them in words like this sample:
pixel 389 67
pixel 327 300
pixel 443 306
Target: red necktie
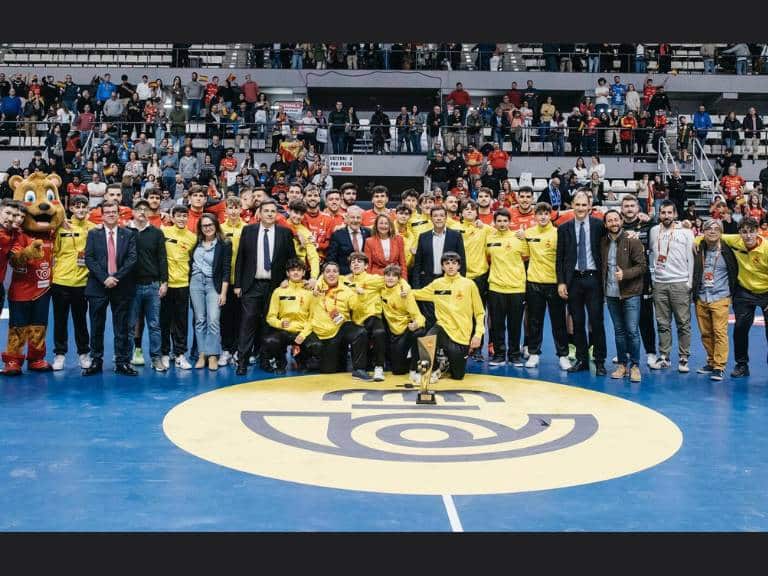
pixel 111 254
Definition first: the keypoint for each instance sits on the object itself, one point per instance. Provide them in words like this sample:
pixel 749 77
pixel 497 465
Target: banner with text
pixel 340 164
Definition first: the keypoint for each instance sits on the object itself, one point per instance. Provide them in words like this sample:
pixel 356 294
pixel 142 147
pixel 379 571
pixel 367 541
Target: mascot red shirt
pixel 32 261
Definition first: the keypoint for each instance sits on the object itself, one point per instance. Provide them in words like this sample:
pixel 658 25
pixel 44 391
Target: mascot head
pixel 40 194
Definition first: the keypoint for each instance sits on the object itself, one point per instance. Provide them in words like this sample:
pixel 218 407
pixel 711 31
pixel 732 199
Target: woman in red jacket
pixel 385 247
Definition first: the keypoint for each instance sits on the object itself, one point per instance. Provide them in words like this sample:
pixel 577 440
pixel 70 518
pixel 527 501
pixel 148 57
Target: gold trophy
pixel 427 347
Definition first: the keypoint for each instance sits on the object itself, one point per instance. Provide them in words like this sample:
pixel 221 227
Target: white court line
pixel 453 516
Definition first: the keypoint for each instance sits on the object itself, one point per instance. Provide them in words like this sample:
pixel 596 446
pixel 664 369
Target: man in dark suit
pixel 579 281
pixel 429 251
pixel 264 250
pixel 349 239
pixel 110 255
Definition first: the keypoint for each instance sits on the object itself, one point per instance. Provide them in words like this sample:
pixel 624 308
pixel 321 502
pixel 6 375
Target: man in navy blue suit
pixel 429 251
pixel 349 239
pixel 110 255
pixel 579 281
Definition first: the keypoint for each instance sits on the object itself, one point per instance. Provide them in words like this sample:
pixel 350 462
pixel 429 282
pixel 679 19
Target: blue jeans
pixel 297 61
pixel 337 138
pixel 416 142
pixel 640 65
pixel 709 65
pixel 146 303
pixel 594 64
pixel 625 315
pixel 543 131
pixel 657 207
pixel 385 55
pixel 194 108
pixel 741 67
pixel 205 304
pixel 558 145
pixel 729 143
pixel 177 141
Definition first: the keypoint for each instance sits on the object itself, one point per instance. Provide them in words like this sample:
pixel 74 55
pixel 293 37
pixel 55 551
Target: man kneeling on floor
pixel 457 301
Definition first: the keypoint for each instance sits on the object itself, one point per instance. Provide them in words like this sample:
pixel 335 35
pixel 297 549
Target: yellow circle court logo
pixel 485 435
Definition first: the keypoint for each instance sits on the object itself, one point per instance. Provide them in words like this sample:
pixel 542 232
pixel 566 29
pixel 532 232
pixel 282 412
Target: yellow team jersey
pixel 452 224
pixel 542 251
pixel 419 223
pixel 325 306
pixel 307 252
pixel 179 243
pixel 506 252
pixel 753 264
pixel 291 303
pixel 369 303
pixel 232 232
pixel 457 302
pixel 399 311
pixel 409 241
pixel 69 254
pixel 474 248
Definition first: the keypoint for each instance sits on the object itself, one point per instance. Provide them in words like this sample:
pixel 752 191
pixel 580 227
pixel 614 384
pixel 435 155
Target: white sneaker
pixel 224 358
pixel 166 360
pixel 413 376
pixel 436 375
pixel 615 359
pixel 85 361
pixel 378 373
pixel 533 361
pixel 138 357
pixel 660 363
pixel 58 362
pixel 650 359
pixel 526 354
pixel 183 363
pixel 251 360
pixel 564 363
pixel 683 366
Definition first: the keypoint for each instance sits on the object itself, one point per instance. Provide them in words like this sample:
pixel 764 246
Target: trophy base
pixel 426 397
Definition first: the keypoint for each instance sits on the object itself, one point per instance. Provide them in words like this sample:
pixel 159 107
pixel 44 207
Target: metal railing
pixel 703 167
pixel 665 159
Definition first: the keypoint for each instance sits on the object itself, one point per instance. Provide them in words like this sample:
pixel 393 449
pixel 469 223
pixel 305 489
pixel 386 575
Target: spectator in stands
pixel 125 90
pixel 684 131
pixel 602 92
pixel 641 64
pixel 380 133
pixel 588 129
pixel 460 99
pixel 702 123
pixel 438 171
pixel 434 122
pixel 498 160
pixel 708 55
pixel 732 186
pixel 337 121
pixel 178 124
pixel 628 125
pixel 659 101
pixel 500 125
pixel 752 125
pixel 742 53
pixel 105 90
pixel 546 114
pixel 618 93
pixel 416 121
pixel 677 191
pixel 611 131
pixel 96 191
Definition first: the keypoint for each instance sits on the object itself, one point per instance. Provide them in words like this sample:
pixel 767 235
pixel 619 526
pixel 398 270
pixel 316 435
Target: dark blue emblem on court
pixel 396 421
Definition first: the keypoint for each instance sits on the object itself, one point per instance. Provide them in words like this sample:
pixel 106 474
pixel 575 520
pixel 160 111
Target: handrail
pixel 706 170
pixel 665 158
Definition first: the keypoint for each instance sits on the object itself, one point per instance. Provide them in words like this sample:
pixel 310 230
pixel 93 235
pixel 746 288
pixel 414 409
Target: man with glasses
pixel 751 251
pixel 151 281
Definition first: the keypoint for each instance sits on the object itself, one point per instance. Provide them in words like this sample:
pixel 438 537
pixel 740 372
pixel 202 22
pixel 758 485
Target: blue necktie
pixel 581 256
pixel 267 259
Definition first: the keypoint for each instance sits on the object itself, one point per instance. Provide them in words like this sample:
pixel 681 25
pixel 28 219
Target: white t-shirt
pixel 601 94
pixel 96 193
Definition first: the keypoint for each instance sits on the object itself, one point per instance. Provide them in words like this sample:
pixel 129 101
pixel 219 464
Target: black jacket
pixel 247 256
pixel 96 261
pixel 698 268
pixel 222 263
pixel 566 248
pixel 747 126
pixel 423 271
pixel 341 247
pixel 434 122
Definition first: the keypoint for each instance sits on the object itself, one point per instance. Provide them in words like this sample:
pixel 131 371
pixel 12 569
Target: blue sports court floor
pixel 518 450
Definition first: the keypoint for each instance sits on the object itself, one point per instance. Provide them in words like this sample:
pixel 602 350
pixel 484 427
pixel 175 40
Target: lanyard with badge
pixel 333 312
pixel 709 275
pixel 661 259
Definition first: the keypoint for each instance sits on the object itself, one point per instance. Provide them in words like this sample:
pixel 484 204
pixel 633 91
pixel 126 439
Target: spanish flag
pixel 289 151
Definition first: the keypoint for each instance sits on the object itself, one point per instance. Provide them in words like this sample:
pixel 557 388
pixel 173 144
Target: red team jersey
pixel 33 279
pixel 322 226
pixel 731 185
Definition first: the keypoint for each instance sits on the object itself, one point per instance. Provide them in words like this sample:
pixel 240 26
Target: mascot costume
pixel 32 261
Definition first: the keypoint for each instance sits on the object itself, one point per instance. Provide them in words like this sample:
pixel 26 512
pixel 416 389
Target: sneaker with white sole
pixel 533 361
pixel 650 359
pixel 138 357
pixel 224 358
pixel 413 377
pixel 58 362
pixel 660 363
pixel 158 365
pixel 615 360
pixel 361 375
pixel 166 360
pixel 564 363
pixel 526 354
pixel 436 375
pixel 378 373
pixel 682 365
pixel 183 363
pixel 85 361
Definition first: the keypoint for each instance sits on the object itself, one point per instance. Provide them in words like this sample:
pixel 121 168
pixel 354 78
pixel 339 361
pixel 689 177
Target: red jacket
pixel 377 261
pixel 498 159
pixel 460 98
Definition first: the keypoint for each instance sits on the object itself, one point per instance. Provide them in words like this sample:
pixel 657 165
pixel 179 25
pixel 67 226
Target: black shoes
pixel 126 370
pixel 580 366
pixel 279 371
pixel 94 368
pixel 600 369
pixel 740 371
pixel 497 360
pixel 716 374
pixel 241 370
